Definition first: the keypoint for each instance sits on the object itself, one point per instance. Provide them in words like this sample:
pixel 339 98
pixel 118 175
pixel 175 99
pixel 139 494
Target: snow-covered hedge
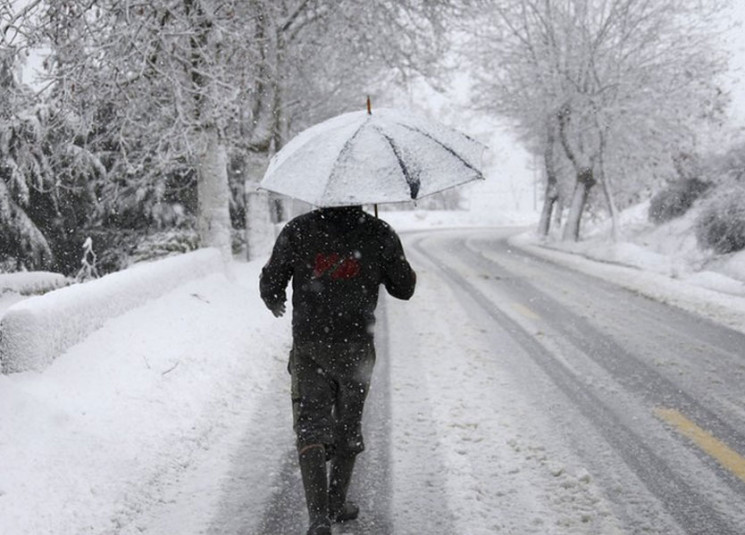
pixel 721 224
pixel 675 200
pixel 35 331
pixel 32 282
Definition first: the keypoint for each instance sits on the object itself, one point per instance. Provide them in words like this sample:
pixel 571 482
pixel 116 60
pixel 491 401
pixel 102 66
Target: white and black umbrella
pixel 387 156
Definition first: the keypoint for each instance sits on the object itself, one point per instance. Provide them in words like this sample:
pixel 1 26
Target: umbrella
pixel 386 156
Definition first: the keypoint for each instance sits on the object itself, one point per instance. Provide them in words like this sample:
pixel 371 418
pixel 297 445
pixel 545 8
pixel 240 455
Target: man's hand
pixel 278 309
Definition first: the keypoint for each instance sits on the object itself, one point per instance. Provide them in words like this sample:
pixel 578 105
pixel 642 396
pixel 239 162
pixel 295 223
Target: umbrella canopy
pixel 361 158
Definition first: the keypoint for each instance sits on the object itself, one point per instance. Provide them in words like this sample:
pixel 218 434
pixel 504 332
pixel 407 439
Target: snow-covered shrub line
pixel 721 224
pixel 676 200
pixel 37 330
pixel 32 282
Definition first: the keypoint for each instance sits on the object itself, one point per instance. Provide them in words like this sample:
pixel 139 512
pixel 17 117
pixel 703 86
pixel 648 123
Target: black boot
pixel 313 469
pixel 340 510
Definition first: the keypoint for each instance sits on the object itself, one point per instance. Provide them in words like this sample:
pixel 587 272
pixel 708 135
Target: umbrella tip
pixel 369 106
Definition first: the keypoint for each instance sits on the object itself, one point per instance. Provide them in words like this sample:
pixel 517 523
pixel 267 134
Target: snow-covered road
pixel 511 396
pixel 570 404
pixel 515 396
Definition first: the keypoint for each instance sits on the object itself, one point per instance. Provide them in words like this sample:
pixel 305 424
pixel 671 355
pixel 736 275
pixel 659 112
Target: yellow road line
pixel 525 311
pixel 717 449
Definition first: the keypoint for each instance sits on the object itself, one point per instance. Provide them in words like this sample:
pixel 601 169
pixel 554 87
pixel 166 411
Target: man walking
pixel 337 259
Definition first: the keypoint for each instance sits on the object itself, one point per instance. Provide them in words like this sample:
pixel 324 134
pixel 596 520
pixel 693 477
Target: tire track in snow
pixel 421 501
pixel 371 485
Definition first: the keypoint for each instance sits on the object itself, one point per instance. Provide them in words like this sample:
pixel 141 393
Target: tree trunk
pixel 213 186
pixel 615 225
pixel 552 190
pixel 549 201
pixel 281 209
pixel 260 232
pixel 608 192
pixel 583 165
pixel 213 214
pixel 585 181
pixel 259 228
pixel 558 213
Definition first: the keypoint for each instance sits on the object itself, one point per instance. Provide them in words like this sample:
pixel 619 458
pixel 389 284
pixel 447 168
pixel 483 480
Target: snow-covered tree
pixel 146 83
pixel 622 84
pixel 319 58
pixel 21 167
pixel 169 95
pixel 44 193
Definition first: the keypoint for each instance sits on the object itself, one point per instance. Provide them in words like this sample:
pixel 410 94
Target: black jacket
pixel 337 259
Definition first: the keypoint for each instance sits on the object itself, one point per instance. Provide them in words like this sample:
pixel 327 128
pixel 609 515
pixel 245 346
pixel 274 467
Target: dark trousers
pixel 330 383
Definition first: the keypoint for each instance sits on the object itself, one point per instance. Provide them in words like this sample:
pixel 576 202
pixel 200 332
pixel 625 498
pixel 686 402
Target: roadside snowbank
pixel 37 330
pixel 662 262
pixel 693 293
pixel 93 441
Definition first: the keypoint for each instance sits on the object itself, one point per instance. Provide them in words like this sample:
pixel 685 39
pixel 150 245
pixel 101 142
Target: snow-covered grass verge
pixel 91 443
pixel 36 330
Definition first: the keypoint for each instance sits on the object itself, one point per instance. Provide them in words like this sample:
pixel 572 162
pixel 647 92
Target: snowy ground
pixel 136 428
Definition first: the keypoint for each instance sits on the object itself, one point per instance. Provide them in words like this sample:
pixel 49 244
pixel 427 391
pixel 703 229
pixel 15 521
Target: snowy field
pixel 135 428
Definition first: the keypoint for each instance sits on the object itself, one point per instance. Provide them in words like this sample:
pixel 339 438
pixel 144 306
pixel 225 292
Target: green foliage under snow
pixel 675 200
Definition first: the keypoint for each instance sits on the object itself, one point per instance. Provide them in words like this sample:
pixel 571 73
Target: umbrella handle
pixel 369 112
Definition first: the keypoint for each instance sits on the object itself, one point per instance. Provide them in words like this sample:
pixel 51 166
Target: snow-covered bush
pixel 163 244
pixel 118 249
pixel 675 200
pixel 32 282
pixel 721 224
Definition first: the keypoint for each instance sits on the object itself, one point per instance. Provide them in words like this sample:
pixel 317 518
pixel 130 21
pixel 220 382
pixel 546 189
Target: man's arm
pixel 399 278
pixel 276 274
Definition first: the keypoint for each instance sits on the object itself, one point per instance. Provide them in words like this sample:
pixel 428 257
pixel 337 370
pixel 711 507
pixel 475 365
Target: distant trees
pixel 616 88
